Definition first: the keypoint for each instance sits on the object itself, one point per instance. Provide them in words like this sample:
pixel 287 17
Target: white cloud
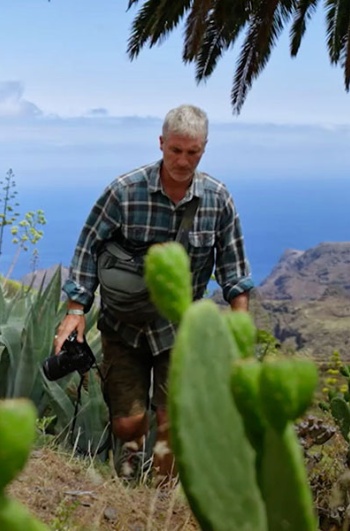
pixel 12 103
pixel 96 147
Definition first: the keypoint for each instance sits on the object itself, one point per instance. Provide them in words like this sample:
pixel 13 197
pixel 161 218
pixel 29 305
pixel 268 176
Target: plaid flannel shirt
pixel 135 206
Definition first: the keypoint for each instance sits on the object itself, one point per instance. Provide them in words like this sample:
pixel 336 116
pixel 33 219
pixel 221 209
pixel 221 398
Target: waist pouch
pixel 122 286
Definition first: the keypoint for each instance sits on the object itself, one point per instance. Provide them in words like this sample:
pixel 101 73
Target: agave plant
pixel 28 320
pixel 27 327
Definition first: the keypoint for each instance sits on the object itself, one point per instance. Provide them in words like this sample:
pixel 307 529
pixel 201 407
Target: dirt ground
pixel 70 494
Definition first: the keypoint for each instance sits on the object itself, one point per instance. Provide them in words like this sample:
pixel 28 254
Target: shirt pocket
pixel 200 248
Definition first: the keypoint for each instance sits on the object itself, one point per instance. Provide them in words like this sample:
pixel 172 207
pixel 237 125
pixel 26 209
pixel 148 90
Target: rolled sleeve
pixel 102 222
pixel 232 267
pixel 244 284
pixel 78 293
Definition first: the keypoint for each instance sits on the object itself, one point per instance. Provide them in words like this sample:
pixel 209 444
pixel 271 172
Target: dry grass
pixel 71 494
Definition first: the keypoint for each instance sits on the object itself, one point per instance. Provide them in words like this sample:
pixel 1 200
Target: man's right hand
pixel 67 326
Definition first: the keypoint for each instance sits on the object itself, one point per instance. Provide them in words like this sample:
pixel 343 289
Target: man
pixel 144 207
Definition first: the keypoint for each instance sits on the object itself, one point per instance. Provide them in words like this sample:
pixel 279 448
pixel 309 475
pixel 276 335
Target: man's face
pixel 181 155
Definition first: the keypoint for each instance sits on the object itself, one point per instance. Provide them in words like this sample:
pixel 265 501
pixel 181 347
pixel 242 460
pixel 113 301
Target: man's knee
pixel 130 428
pixel 162 420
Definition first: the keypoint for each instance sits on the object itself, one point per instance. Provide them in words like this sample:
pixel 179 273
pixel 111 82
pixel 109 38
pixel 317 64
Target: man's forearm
pixel 241 302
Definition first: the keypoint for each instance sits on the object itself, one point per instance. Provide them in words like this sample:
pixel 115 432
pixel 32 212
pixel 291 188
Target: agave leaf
pixel 3 306
pixel 4 368
pixel 27 368
pixel 52 292
pixel 92 417
pixel 19 308
pixel 61 404
pixel 10 338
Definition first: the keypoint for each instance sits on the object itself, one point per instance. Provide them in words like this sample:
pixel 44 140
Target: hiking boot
pixel 131 465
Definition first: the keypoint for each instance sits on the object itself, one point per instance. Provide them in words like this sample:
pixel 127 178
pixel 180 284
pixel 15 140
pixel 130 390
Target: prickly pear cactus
pixel 284 483
pixel 17 432
pixel 341 413
pixel 168 279
pixel 245 388
pixel 215 461
pixel 14 517
pixel 233 437
pixel 243 330
pixel 270 395
pixel 287 386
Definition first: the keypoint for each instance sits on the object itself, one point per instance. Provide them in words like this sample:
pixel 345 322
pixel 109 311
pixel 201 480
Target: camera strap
pixel 104 445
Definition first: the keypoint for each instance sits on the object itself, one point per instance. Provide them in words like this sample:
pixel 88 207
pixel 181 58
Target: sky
pixel 75 109
pixel 75 112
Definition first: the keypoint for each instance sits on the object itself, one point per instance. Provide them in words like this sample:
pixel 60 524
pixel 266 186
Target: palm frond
pixel 195 27
pixel 132 2
pixel 227 13
pixel 211 50
pixel 225 22
pixel 303 12
pixel 338 35
pixel 154 21
pixel 264 29
pixel 346 62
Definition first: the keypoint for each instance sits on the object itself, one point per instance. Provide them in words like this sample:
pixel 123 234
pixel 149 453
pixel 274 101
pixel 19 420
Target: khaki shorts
pixel 128 374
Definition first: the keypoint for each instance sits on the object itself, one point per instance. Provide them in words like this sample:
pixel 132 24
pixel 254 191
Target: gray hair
pixel 186 120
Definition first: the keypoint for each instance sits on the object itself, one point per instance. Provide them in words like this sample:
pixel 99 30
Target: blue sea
pixel 276 214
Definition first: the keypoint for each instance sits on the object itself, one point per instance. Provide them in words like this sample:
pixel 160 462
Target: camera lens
pixel 74 356
pixel 56 367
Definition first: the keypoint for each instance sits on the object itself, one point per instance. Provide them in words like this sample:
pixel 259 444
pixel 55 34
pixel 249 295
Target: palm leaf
pixel 338 35
pixel 153 22
pixel 264 29
pixel 132 2
pixel 195 28
pixel 303 12
pixel 222 27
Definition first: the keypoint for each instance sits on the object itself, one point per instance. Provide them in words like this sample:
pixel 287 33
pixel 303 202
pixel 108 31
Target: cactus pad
pixel 168 278
pixel 215 461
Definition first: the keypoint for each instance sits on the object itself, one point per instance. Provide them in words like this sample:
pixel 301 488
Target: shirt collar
pixel 154 184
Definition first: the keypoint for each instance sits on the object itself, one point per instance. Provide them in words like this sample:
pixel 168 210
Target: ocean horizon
pixel 276 215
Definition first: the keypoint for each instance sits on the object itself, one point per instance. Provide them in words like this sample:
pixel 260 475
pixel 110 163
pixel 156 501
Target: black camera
pixel 74 356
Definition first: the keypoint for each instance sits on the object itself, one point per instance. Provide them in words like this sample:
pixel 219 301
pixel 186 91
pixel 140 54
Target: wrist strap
pixel 75 311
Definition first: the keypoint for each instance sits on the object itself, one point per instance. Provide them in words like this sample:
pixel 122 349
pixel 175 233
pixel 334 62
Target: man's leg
pixel 126 373
pixel 163 460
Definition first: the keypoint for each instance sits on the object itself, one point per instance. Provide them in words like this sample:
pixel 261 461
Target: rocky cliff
pixel 305 301
pixel 309 275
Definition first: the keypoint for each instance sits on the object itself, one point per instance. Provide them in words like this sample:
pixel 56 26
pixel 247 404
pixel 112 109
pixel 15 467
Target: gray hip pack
pixel 123 289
